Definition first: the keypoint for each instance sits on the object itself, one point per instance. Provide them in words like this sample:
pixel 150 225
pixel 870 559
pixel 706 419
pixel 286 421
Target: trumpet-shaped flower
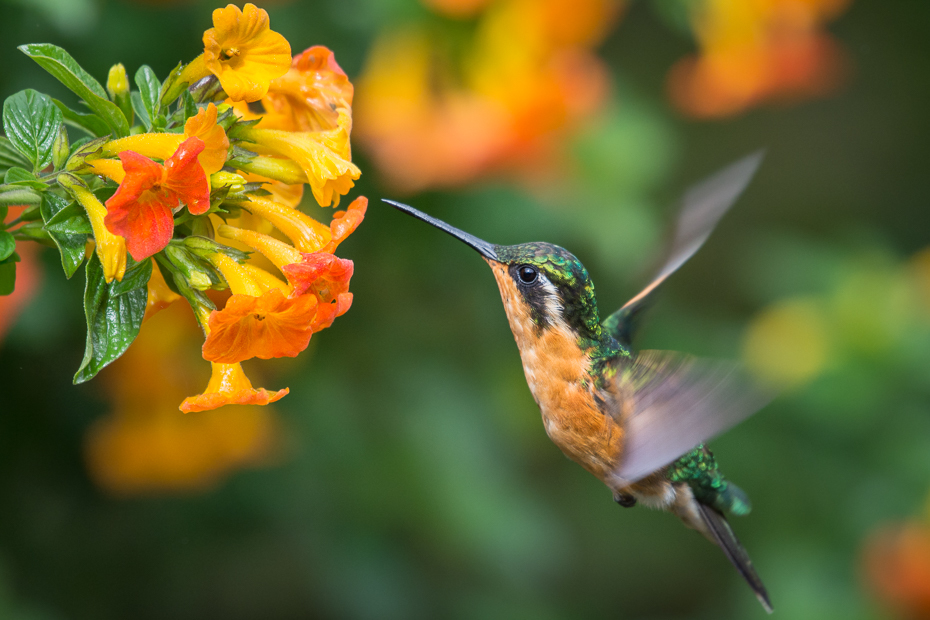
pixel 229 386
pixel 321 273
pixel 305 233
pixel 141 209
pixel 110 247
pixel 243 52
pixel 324 156
pixel 163 145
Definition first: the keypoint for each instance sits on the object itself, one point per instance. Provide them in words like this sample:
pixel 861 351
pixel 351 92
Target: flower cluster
pixel 190 188
pixel 438 111
pixel 756 51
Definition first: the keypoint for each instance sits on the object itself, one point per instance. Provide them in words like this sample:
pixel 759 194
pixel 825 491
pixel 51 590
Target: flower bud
pixel 61 148
pixel 118 88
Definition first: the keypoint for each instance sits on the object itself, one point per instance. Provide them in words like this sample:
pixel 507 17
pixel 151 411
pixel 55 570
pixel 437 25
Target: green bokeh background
pixel 418 481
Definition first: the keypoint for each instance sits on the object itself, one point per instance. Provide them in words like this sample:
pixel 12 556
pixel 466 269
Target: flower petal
pixel 216 144
pixel 265 327
pixel 186 178
pixel 229 386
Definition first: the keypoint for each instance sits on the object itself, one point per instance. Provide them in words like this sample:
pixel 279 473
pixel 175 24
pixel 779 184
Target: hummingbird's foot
pixel 625 499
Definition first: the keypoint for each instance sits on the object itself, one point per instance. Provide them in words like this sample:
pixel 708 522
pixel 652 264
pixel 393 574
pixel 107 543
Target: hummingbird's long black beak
pixel 484 248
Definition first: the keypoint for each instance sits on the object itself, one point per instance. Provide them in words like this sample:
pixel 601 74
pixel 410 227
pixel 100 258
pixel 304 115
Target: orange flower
pixel 229 386
pixel 321 273
pixel 527 77
pixel 266 327
pixel 309 96
pixel 28 278
pixel 897 566
pixel 752 52
pixel 141 210
pixel 244 53
pixel 163 145
pixel 327 313
pixel 345 222
pixel 145 445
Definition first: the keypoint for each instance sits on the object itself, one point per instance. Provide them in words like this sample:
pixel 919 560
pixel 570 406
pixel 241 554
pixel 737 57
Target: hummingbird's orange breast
pixel 556 371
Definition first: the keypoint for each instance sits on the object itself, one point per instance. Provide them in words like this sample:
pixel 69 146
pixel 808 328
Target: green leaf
pixel 68 226
pixel 149 88
pixel 138 105
pixel 91 123
pixel 7 245
pixel 66 70
pixel 9 156
pixel 21 176
pixel 31 121
pixel 114 314
pixel 7 277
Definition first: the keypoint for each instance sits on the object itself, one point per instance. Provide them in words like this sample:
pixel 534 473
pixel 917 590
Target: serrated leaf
pixel 31 121
pixel 114 314
pixel 89 122
pixel 66 70
pixel 7 245
pixel 138 106
pixel 7 278
pixel 149 90
pixel 68 226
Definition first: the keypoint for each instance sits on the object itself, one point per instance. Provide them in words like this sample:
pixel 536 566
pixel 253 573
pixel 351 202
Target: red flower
pixel 142 208
pixel 321 273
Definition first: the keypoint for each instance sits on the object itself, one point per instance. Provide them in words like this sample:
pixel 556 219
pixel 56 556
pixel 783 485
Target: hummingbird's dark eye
pixel 527 274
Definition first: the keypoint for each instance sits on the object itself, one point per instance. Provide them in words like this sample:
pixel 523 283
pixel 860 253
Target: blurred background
pixel 407 474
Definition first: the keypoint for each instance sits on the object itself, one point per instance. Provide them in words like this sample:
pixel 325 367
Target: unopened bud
pixel 90 150
pixel 118 88
pixel 231 180
pixel 61 148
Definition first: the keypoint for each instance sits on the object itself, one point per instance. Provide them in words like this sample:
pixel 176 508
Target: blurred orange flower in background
pixel 28 279
pixel 755 51
pixel 436 116
pixel 896 563
pixel 145 445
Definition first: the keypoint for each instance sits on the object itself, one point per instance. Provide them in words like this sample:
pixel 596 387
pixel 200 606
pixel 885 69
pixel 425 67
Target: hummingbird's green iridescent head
pixel 540 283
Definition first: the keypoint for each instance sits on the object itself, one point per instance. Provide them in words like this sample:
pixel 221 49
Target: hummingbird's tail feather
pixel 725 538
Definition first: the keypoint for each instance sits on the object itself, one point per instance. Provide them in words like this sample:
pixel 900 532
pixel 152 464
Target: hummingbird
pixel 637 420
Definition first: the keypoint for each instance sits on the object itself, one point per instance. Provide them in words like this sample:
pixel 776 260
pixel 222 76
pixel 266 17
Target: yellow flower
pixel 324 156
pixel 111 249
pixel 305 233
pixel 244 53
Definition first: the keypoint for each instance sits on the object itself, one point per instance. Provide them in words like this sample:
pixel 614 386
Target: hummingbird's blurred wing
pixel 675 402
pixel 702 207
